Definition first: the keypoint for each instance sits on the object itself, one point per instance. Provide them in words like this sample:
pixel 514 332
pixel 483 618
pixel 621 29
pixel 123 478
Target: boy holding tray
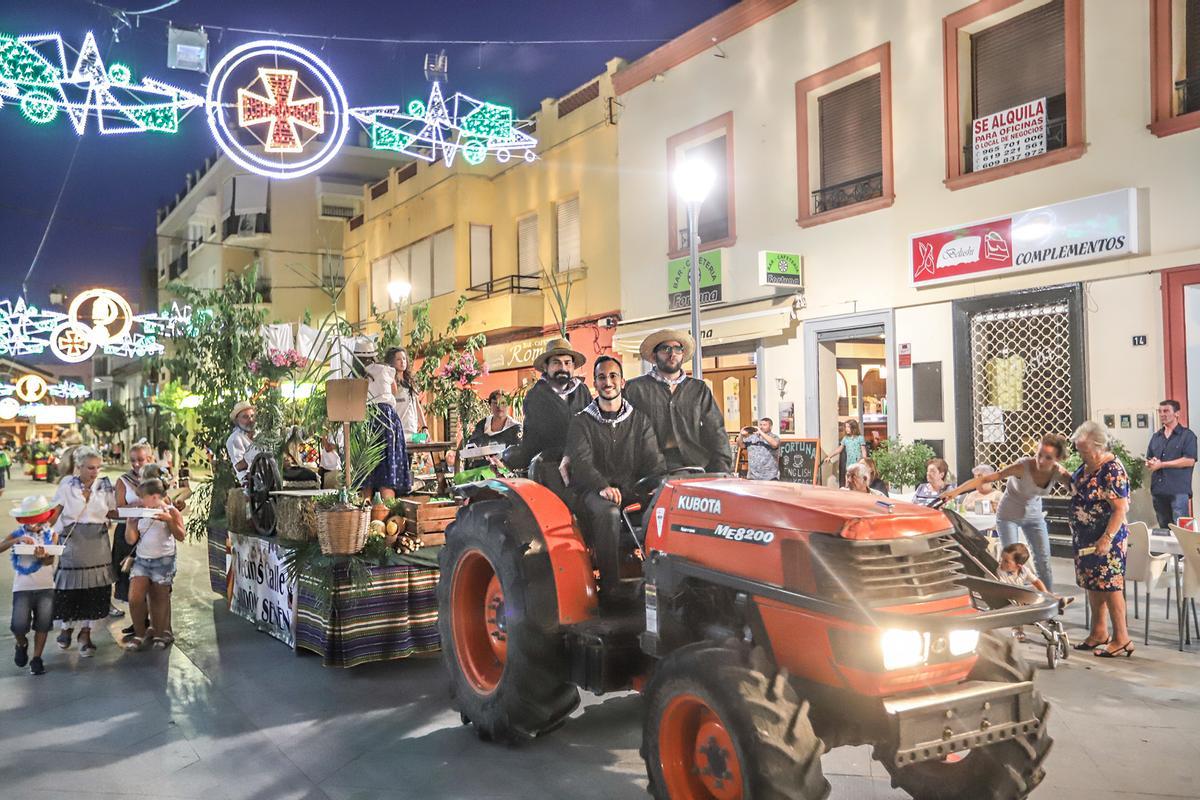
pixel 33 583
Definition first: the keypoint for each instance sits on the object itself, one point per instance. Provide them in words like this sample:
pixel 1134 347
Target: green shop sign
pixel 779 269
pixel 679 284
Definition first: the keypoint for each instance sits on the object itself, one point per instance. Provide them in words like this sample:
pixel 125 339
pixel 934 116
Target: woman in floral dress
pixel 1099 503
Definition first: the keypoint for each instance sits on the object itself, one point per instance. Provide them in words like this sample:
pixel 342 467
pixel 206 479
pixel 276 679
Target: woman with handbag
pixel 83 583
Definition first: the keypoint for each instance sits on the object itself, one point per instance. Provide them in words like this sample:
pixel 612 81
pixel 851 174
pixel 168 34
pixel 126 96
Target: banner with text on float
pixel 261 590
pixel 1097 228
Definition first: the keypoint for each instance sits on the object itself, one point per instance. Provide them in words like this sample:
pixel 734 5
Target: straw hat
pixel 238 408
pixel 559 347
pixel 364 347
pixel 667 335
pixel 71 438
pixel 35 508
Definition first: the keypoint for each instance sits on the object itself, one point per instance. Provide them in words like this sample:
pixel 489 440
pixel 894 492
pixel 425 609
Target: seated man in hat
pixel 240 444
pixel 610 447
pixel 556 397
pixel 690 429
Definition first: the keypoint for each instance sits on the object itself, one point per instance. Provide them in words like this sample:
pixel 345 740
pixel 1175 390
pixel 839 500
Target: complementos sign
pixel 1010 135
pixel 1097 228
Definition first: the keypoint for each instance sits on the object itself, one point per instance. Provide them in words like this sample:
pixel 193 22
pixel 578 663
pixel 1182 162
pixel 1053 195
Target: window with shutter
pixel 850 126
pixel 1018 60
pixel 400 267
pixel 567 234
pixel 421 269
pixel 714 211
pixel 712 143
pixel 380 277
pixel 528 262
pixel 1188 89
pixel 481 254
pixel 443 262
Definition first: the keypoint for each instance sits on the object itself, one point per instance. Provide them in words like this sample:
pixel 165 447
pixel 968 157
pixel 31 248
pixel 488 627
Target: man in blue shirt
pixel 1170 457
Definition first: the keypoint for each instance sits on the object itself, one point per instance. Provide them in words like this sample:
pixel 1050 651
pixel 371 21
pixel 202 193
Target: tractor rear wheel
pixel 723 723
pixel 508 672
pixel 1006 770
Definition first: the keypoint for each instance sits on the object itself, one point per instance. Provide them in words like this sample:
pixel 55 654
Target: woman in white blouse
pixel 83 583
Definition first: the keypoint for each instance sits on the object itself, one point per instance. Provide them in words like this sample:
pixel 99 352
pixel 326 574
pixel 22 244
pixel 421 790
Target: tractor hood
pixel 775 505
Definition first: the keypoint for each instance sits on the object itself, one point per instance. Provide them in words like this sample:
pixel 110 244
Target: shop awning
pixel 758 319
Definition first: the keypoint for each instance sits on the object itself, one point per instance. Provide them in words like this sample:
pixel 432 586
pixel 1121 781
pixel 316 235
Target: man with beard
pixel 240 444
pixel 610 447
pixel 682 410
pixel 556 397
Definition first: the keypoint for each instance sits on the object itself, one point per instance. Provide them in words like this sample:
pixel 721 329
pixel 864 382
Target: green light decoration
pixel 39 107
pixel 160 119
pixel 489 120
pixel 120 74
pixel 385 137
pixel 416 108
pixel 20 63
pixel 475 151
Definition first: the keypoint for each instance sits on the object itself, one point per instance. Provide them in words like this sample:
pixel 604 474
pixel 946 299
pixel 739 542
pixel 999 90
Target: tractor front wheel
pixel 508 673
pixel 1007 770
pixel 723 724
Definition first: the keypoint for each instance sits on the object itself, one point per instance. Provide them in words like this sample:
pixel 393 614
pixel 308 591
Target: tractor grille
pixel 895 572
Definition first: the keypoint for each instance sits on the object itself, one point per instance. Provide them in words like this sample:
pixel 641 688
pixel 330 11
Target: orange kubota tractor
pixel 777 621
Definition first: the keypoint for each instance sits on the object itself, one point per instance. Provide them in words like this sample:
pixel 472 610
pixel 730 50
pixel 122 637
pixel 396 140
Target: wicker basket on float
pixel 343 531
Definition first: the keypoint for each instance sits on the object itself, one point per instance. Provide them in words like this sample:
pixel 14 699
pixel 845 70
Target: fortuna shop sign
pixel 1010 135
pixel 778 269
pixel 1097 228
pixel 679 284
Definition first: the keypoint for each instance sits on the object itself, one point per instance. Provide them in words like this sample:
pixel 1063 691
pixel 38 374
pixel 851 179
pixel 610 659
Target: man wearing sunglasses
pixel 686 419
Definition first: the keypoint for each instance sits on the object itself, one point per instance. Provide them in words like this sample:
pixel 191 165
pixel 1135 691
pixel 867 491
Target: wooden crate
pixel 428 519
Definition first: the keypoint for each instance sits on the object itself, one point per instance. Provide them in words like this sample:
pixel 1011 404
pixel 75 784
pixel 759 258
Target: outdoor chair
pixel 1141 567
pixel 1189 543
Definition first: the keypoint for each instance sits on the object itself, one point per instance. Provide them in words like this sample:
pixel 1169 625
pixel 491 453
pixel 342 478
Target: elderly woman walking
pixel 83 584
pixel 1099 503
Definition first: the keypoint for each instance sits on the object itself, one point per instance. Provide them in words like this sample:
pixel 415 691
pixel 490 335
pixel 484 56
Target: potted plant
pixel 902 466
pixel 343 519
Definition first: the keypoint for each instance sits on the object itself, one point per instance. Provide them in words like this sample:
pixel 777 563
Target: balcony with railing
pixel 1056 130
pixel 505 304
pixel 847 193
pixel 178 267
pixel 246 225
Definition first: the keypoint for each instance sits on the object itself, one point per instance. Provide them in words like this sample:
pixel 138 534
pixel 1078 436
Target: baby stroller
pixel 980 562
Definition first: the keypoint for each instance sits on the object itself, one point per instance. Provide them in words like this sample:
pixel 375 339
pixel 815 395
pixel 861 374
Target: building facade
pixel 502 234
pixel 990 206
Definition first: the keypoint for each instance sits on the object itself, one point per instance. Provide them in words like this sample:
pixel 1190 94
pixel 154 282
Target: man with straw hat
pixel 556 397
pixel 686 419
pixel 240 444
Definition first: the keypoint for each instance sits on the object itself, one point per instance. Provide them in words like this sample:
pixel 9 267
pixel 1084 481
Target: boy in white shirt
pixel 1014 568
pixel 33 583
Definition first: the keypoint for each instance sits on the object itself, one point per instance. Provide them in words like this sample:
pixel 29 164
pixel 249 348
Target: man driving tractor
pixel 610 447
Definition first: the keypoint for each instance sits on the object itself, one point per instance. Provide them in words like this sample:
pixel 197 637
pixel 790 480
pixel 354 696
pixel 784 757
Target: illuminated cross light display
pixel 97 320
pixel 32 388
pixel 293 108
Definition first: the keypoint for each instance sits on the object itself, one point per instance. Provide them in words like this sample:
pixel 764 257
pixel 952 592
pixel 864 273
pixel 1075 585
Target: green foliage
pixel 902 464
pixel 444 395
pixel 199 509
pixel 305 562
pixel 112 420
pixel 560 292
pixel 366 451
pixel 214 360
pixel 1135 466
pixel 90 411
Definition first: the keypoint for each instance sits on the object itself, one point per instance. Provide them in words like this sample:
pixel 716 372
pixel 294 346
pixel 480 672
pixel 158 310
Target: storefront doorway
pixel 1181 323
pixel 736 391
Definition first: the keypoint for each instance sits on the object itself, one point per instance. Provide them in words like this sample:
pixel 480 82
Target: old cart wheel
pixel 264 479
pixel 718 728
pixel 507 666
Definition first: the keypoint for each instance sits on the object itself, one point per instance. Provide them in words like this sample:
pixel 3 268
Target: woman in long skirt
pixel 83 582
pixel 392 475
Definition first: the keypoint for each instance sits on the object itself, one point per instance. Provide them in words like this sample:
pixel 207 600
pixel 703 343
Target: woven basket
pixel 237 511
pixel 343 532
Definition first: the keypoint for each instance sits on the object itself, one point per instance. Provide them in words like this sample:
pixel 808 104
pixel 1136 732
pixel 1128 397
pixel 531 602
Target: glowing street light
pixel 693 181
pixel 399 291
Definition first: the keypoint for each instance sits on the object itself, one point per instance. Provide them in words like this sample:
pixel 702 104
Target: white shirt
pixel 331 460
pixel 43 577
pixel 155 539
pixel 1024 576
pixel 380 378
pixel 406 409
pixel 75 509
pixel 240 447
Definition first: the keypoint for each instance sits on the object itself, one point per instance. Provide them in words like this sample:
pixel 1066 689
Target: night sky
pixel 106 216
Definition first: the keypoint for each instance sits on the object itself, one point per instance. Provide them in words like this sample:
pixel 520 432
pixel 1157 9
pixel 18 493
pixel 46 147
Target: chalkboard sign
pixel 798 460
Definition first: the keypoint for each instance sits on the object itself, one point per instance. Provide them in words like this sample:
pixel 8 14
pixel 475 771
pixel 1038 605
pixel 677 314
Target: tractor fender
pixel 543 524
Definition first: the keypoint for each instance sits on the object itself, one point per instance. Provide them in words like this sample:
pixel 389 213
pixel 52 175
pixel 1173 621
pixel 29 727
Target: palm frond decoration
pixel 560 291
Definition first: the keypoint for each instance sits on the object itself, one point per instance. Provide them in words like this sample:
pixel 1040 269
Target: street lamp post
pixel 693 180
pixel 399 292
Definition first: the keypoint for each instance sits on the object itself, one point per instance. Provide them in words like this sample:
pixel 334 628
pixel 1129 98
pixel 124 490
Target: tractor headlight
pixel 963 642
pixel 903 648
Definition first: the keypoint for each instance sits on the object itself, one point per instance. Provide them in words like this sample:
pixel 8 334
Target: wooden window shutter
pixel 445 265
pixel 568 234
pixel 528 262
pixel 1192 38
pixel 1019 60
pixel 481 254
pixel 851 130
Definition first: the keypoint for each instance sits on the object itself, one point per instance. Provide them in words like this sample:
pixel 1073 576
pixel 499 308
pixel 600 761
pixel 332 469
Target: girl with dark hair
pixel 392 476
pixel 408 401
pixel 853 444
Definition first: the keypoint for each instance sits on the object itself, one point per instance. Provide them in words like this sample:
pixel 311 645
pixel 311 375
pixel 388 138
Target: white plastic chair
pixel 1189 543
pixel 1141 567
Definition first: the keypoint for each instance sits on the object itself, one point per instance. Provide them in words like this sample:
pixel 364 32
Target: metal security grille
pixel 1021 380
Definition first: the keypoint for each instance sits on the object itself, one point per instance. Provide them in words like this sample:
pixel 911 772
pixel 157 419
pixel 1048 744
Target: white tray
pixel 135 512
pixel 27 549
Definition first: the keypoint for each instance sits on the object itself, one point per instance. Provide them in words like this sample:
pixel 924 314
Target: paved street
pixel 228 713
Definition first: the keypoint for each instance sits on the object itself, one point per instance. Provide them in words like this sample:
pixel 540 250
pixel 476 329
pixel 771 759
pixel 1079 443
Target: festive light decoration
pixel 32 392
pixel 323 113
pixel 111 327
pixel 68 390
pixel 31 388
pixel 34 71
pixel 442 128
pixel 9 408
